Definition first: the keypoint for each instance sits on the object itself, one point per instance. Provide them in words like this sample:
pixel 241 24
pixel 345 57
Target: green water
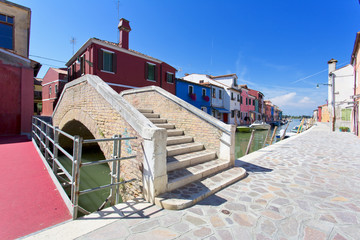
pixel 91 177
pixel 242 139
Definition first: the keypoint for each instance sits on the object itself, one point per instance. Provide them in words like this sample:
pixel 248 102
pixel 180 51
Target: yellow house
pixel 325 116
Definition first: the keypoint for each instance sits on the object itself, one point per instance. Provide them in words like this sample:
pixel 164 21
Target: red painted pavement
pixel 29 200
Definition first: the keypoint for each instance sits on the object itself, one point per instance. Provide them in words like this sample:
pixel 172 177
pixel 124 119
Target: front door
pixel 225 117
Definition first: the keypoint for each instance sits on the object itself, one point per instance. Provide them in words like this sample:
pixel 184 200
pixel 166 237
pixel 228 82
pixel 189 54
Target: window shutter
pixel 114 62
pixel 155 73
pixel 146 71
pixel 100 59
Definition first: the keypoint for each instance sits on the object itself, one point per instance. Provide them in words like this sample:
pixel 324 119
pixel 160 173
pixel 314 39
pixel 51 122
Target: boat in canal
pixel 259 125
pixel 245 129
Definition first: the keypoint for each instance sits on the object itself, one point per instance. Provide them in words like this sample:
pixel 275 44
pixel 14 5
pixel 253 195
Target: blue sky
pixel 280 48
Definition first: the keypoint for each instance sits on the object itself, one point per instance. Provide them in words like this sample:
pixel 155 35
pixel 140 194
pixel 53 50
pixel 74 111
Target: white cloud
pixel 283 100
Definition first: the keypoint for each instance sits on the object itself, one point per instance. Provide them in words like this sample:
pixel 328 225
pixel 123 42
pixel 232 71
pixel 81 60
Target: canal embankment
pixel 304 187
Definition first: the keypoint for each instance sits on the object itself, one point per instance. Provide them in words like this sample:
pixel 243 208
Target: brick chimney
pixel 124 28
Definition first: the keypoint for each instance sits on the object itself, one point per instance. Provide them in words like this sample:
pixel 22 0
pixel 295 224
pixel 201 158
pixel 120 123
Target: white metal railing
pixel 46 137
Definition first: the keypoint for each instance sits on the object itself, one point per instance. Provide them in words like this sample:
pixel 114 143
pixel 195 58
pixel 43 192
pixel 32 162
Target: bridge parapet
pixel 214 134
pixel 104 113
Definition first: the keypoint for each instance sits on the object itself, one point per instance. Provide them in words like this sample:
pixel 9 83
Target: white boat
pixel 259 125
pixel 287 134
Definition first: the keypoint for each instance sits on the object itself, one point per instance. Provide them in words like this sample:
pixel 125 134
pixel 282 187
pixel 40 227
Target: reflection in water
pixel 242 139
pixel 90 177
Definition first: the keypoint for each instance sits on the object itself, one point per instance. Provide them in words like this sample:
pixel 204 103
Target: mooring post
pixel 250 141
pixel 273 135
pixel 267 136
pixel 282 137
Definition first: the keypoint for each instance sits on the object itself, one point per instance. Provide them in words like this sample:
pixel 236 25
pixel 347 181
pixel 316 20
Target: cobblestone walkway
pixel 307 187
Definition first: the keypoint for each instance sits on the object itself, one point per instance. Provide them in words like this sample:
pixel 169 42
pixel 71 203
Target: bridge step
pixel 158 120
pixel 174 132
pixel 184 176
pixel 188 159
pixel 151 115
pixel 143 110
pixel 183 148
pixel 192 193
pixel 178 140
pixel 165 125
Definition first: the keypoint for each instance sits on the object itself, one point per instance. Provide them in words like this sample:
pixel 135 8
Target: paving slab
pixel 305 187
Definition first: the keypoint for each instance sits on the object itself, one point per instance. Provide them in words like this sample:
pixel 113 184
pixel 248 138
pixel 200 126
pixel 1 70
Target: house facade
pixel 37 96
pixel 15 28
pixel 355 62
pixel 119 66
pixel 259 104
pixel 197 95
pixel 341 88
pixel 17 71
pixel 52 86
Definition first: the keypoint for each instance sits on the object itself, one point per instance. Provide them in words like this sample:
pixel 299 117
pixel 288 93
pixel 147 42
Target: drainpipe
pixel 333 99
pixel 355 106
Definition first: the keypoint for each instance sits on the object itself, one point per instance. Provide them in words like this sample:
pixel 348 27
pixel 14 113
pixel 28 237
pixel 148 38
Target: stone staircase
pixel 193 172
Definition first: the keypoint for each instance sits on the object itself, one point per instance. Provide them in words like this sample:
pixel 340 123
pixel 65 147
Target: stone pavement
pixel 305 187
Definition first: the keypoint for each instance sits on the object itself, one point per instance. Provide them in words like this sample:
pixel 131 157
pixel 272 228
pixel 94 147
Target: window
pixel 82 65
pixel 203 92
pixel 238 97
pixel 49 90
pixel 151 72
pixel 232 113
pixel 214 93
pixel 169 77
pixel 74 71
pixel 238 114
pixel 241 100
pixel 56 88
pixel 204 109
pixel 6 31
pixel 191 90
pixel 246 101
pixel 253 102
pixel 232 96
pixel 345 114
pixel 107 61
pixel 220 94
pixel 213 113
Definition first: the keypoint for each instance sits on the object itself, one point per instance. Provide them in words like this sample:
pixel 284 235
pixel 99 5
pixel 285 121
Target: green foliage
pixel 344 129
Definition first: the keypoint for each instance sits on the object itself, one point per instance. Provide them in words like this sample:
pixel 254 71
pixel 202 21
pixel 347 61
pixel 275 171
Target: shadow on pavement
pixel 249 167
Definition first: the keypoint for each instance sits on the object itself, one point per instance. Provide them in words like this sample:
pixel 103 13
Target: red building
pixel 52 85
pixel 119 66
pixel 16 92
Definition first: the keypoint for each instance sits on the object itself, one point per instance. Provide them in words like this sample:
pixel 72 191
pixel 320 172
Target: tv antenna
pixel 73 42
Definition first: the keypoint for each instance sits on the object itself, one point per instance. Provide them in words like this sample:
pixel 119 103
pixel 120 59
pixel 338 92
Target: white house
pixel 340 87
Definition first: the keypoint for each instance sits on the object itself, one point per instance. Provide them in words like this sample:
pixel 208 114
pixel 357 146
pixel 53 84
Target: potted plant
pixel 344 129
pixel 206 98
pixel 193 96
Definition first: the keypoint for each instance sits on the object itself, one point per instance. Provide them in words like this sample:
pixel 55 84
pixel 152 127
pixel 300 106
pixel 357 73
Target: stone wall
pixel 214 134
pixel 83 103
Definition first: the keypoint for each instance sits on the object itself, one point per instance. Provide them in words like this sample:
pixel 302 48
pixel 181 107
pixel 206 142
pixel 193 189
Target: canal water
pixel 91 177
pixel 242 139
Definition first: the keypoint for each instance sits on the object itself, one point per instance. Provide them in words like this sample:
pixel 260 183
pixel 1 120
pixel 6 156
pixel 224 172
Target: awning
pixel 222 110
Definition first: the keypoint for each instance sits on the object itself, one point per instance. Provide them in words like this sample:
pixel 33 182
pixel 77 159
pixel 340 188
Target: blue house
pixel 197 95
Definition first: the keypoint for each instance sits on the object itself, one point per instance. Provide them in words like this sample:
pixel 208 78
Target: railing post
pixel 41 137
pixel 113 191
pixel 47 135
pixel 76 174
pixel 117 200
pixel 55 149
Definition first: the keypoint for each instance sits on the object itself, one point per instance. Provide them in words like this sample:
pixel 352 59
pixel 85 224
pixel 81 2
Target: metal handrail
pixel 43 138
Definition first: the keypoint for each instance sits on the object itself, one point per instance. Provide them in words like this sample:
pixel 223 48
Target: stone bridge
pixel 177 145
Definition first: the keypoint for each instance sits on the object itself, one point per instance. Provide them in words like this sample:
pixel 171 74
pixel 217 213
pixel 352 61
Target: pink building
pixel 119 66
pixel 268 111
pixel 52 86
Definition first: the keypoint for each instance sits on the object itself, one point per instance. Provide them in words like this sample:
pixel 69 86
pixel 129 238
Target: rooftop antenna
pixel 73 42
pixel 118 19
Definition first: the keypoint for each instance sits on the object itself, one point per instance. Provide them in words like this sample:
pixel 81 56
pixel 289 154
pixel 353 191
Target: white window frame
pixel 107 51
pixel 191 86
pixel 173 77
